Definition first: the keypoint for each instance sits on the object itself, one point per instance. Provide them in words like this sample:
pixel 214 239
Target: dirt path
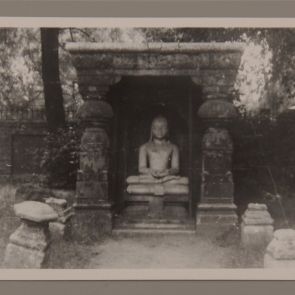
pixel 160 251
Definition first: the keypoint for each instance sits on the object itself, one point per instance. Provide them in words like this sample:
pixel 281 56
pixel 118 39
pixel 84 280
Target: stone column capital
pixel 96 89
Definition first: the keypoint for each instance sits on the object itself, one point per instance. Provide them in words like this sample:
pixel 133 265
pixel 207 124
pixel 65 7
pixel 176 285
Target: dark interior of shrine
pixel 136 101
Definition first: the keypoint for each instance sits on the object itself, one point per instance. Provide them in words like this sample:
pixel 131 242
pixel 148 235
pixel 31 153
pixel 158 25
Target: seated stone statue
pixel 158 165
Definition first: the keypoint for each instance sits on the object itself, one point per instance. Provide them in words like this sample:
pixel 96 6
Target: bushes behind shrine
pixel 263 158
pixel 61 157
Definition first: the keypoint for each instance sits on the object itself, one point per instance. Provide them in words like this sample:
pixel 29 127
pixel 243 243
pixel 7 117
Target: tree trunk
pixel 54 108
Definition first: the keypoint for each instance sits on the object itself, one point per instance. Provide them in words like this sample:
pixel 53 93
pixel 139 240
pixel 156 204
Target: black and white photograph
pixel 147 147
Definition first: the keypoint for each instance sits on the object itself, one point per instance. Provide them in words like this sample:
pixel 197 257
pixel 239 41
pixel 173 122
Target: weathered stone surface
pixel 154 47
pixel 62 226
pixel 281 250
pixel 31 236
pixel 257 216
pixel 280 253
pixel 28 245
pixel 219 77
pixel 225 60
pixel 221 92
pixel 217 139
pixel 217 109
pixel 130 64
pixel 216 214
pixel 92 207
pixel 216 206
pixel 57 229
pixel 220 218
pixel 92 109
pixel 257 226
pixel 256 235
pixel 217 181
pixel 175 211
pixel 285 234
pixel 257 206
pixel 270 262
pixel 283 244
pixel 35 211
pixel 156 206
pixel 97 63
pixel 258 221
pixel 19 257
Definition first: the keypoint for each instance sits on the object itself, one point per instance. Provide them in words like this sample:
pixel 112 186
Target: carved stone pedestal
pixel 257 226
pixel 216 206
pixel 93 214
pixel 28 245
pixel 156 207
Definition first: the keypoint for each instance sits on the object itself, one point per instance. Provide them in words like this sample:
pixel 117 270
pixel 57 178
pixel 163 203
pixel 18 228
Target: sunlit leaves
pixel 254 74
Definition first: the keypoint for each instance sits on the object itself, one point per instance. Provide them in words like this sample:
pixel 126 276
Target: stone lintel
pixel 156 47
pixel 90 77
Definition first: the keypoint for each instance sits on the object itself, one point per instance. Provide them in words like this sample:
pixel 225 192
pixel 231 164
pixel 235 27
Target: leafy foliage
pixel 61 157
pixel 20 66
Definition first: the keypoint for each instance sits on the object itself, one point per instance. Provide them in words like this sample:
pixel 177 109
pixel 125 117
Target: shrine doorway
pixel 136 101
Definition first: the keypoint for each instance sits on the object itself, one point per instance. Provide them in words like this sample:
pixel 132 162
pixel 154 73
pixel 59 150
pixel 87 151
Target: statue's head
pixel 159 128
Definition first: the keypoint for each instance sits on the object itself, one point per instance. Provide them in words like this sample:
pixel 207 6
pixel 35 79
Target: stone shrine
pixel 123 87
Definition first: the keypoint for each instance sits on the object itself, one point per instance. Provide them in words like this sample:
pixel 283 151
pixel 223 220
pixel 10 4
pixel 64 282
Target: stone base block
pixel 256 235
pixel 270 262
pixel 177 211
pixel 20 257
pixel 216 214
pixel 156 206
pixel 57 229
pixel 27 247
pixel 90 223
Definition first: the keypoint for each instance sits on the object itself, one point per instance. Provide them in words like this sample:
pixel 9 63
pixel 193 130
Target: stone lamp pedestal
pixel 28 245
pixel 257 226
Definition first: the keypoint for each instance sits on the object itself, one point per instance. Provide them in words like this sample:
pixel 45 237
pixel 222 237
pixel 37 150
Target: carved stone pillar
pixel 93 208
pixel 216 206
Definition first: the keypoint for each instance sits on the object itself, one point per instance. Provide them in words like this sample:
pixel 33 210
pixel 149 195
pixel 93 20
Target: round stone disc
pixel 35 211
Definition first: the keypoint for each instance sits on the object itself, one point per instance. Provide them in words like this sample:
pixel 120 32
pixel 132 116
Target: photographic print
pixel 148 146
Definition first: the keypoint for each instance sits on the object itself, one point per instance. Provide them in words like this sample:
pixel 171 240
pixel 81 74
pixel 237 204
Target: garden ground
pixel 206 249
